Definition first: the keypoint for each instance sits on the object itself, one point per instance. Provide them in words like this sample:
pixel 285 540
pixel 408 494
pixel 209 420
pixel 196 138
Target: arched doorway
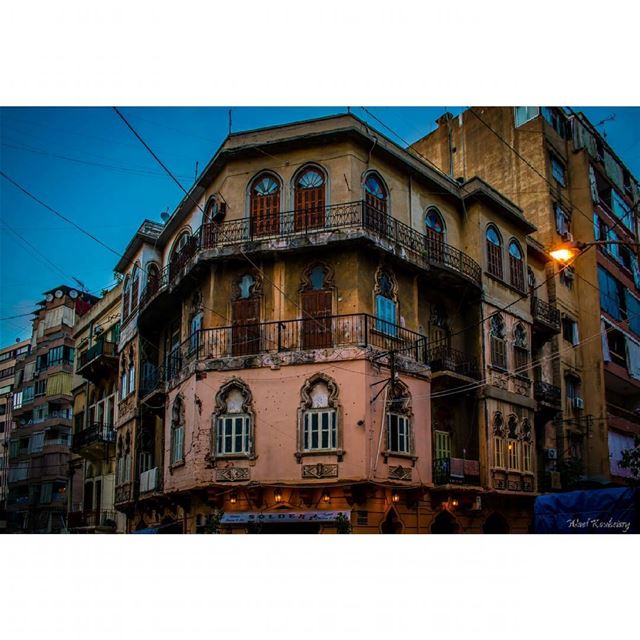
pixel 309 199
pixel 245 310
pixel 376 204
pixel 495 523
pixel 445 523
pixel 434 237
pixel 392 523
pixel 317 304
pixel 265 205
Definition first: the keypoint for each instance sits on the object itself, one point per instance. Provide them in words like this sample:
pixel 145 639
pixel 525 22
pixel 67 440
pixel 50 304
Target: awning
pixel 243 517
pixel 594 511
pixel 149 530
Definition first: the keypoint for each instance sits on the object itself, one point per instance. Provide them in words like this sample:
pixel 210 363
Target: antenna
pixel 610 118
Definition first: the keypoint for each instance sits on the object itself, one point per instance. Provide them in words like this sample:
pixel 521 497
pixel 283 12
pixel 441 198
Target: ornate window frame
pixel 399 403
pixel 177 434
pixel 306 405
pixel 220 411
pixel 381 325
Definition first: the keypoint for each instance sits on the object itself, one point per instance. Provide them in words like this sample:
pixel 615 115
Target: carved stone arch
pixel 230 385
pixel 498 424
pixel 329 275
pixel 496 523
pixel 497 326
pixel 513 426
pixel 520 335
pixel 178 411
pixel 399 399
pixel 306 399
pixel 526 430
pixel 445 522
pixel 380 287
pixel 391 522
pixel 256 287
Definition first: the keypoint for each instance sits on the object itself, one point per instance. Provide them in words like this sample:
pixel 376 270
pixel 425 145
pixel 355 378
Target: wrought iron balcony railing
pixel 546 392
pixel 444 358
pixel 100 348
pixel 545 313
pixel 92 518
pixel 151 378
pixel 418 248
pixel 327 332
pixel 456 471
pixel 97 432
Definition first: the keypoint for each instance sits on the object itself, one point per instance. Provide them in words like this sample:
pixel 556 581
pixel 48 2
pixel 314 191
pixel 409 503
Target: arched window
pixel 494 252
pixel 520 350
pixel 309 199
pixel 233 420
pixel 264 202
pixel 386 303
pixel 516 265
pixel 399 428
pixel 245 315
pixel 434 238
pixel 131 387
pixel 135 286
pixel 498 440
pixel 126 296
pixel 153 279
pixel 513 444
pixel 319 415
pixel 317 305
pixel 179 253
pixel 498 342
pixel 177 430
pixel 527 450
pixel 376 204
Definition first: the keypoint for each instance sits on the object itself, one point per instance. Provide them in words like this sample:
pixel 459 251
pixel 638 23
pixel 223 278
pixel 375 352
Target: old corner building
pixel 330 333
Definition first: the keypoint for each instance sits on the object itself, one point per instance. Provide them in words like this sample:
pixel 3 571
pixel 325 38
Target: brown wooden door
pixel 376 214
pixel 316 323
pixel 434 245
pixel 245 333
pixel 265 214
pixel 310 208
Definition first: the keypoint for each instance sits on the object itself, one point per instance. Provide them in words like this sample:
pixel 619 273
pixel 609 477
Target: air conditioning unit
pixel 577 403
pixel 552 454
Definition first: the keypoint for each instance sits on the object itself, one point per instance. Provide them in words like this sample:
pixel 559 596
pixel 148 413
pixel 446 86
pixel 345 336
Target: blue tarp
pixel 150 530
pixel 592 511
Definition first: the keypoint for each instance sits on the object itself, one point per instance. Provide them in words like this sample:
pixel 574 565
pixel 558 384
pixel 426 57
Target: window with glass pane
pixel 498 344
pixel 558 171
pixel 320 431
pixel 398 433
pixel 498 452
pixel 526 457
pixel 386 315
pixel 524 114
pixel 513 448
pixel 177 444
pixel 494 252
pixel 233 435
pixel 516 263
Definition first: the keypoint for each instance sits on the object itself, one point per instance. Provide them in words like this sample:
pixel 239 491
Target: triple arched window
pixel 512 443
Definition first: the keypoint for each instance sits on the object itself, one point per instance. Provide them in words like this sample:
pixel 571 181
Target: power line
pixel 58 214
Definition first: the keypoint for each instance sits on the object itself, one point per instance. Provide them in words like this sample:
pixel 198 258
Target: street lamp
pixel 567 251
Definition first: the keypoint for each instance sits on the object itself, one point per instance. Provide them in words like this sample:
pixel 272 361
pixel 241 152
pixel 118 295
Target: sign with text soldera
pixel 243 517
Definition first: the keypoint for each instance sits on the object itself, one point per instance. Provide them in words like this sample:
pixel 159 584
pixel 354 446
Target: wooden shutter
pixel 442 445
pixel 265 214
pixel 316 323
pixel 245 333
pixel 310 208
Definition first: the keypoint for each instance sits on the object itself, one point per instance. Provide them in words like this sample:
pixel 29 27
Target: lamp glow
pixel 562 254
pixel 277 495
pixel 326 496
pixel 395 497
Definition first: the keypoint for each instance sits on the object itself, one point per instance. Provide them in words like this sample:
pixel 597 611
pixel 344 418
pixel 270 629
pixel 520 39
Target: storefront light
pixel 395 497
pixel 326 496
pixel 277 495
pixel 233 498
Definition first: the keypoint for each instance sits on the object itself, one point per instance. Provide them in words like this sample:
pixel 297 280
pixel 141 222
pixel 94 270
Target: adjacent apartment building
pixel 329 334
pixel 8 358
pixel 559 169
pixel 42 413
pixel 96 335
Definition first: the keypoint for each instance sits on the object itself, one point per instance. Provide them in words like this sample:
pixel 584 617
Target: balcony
pixel 93 438
pixel 460 471
pixel 547 394
pixel 546 317
pixel 350 220
pixel 98 361
pixel 289 336
pixel 444 359
pixel 151 381
pixel 92 520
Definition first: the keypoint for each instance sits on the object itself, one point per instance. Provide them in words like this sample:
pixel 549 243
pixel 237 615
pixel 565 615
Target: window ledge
pixel 221 457
pixel 320 452
pixel 176 465
pixel 504 283
pixel 397 454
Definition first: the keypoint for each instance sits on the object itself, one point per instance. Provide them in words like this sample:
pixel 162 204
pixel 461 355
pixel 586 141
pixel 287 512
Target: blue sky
pixel 87 165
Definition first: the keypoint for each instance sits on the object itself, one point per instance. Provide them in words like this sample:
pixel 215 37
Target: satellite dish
pixel 165 216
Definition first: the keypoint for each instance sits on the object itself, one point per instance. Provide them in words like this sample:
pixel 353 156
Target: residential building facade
pixel 43 413
pixel 8 358
pixel 559 169
pixel 94 414
pixel 329 330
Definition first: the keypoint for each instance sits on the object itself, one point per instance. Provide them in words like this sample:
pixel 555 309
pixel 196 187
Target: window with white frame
pixel 527 465
pixel 498 452
pixel 497 333
pixel 513 444
pixel 399 433
pixel 319 415
pixel 233 420
pixel 177 430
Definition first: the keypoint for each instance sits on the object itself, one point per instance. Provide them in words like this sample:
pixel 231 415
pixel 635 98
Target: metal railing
pixel 544 312
pixel 151 378
pixel 327 332
pixel 444 358
pixel 456 471
pixel 546 392
pixel 92 518
pixel 96 432
pixel 416 247
pixel 100 348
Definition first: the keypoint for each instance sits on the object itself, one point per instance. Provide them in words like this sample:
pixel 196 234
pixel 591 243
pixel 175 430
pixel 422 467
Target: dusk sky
pixel 87 165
